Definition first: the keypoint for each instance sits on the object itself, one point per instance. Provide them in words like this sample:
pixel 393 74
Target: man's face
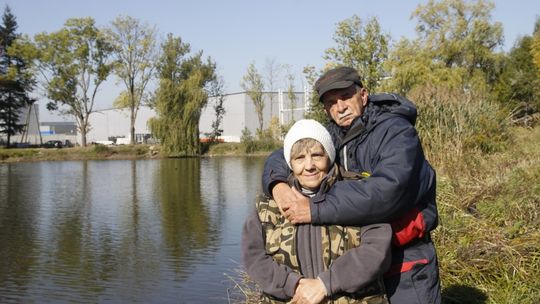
pixel 310 166
pixel 344 105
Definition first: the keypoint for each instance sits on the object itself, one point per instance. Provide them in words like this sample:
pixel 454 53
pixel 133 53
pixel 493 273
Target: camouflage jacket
pixel 277 254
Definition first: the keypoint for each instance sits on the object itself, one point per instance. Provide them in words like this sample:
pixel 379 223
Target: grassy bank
pixel 488 239
pixel 123 152
pixel 80 153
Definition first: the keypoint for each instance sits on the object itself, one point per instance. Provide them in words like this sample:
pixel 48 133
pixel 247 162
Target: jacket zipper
pixel 345 160
pixel 297 252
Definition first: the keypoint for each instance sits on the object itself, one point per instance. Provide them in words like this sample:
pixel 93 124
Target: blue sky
pixel 237 32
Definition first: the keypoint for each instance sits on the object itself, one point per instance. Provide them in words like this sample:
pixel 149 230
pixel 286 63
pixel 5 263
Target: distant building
pixel 240 113
pixel 58 128
pixel 114 124
pixel 110 124
pixel 29 117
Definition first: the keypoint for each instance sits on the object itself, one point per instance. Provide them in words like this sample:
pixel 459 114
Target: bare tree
pixel 272 70
pixel 253 84
pixel 217 91
pixel 291 95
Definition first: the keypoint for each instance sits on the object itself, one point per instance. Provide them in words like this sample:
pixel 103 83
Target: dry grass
pixel 489 238
pixel 80 153
pixel 244 289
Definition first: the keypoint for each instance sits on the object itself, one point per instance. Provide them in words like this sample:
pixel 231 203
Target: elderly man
pixel 374 136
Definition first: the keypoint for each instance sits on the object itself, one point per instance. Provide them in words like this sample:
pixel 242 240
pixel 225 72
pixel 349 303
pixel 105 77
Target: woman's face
pixel 310 166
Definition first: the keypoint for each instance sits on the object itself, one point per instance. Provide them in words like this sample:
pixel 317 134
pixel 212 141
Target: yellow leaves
pixel 535 50
pixel 122 101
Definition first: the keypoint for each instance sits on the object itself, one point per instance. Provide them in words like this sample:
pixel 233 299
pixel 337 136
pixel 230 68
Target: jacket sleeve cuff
pixel 290 285
pixel 314 204
pixel 326 293
pixel 325 278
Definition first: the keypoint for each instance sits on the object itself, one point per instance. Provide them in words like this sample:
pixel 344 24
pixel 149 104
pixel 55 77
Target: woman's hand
pixel 309 291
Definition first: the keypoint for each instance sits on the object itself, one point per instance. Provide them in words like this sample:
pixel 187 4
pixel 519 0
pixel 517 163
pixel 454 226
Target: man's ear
pixel 364 94
pixel 328 115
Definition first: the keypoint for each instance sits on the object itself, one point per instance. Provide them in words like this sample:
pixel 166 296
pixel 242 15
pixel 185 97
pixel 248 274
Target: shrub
pixel 455 122
pixel 264 143
pixel 101 149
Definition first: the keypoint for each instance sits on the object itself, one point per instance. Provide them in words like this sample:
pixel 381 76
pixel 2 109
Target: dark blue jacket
pixel 383 142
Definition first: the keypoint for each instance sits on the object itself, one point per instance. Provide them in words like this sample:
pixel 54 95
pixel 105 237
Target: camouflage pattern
pixel 279 232
pixel 281 245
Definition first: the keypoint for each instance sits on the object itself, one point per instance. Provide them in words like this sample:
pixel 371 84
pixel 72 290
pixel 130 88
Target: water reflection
pixel 187 228
pixel 118 231
pixel 18 250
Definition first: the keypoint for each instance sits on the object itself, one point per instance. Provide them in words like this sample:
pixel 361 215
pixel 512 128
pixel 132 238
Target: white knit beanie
pixel 308 128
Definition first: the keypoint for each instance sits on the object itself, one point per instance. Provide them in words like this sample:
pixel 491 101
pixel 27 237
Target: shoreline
pixel 100 152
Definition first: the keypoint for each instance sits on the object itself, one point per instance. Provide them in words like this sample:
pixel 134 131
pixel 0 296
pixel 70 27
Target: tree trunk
pixel 261 122
pixel 83 129
pixel 8 130
pixel 132 129
pixel 83 136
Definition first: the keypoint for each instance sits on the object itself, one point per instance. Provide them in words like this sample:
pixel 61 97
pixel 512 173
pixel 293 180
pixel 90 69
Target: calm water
pixel 162 231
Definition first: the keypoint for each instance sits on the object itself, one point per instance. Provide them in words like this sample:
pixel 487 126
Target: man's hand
pixel 292 204
pixel 298 212
pixel 310 291
pixel 284 196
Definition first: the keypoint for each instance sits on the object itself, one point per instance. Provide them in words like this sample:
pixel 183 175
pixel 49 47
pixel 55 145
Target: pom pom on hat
pixel 308 128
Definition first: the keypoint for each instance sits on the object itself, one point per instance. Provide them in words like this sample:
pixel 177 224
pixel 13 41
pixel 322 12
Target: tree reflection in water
pixel 123 231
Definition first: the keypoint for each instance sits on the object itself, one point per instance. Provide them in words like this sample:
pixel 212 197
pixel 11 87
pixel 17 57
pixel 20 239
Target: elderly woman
pixel 308 263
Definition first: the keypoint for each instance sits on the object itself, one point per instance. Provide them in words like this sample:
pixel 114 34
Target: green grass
pixel 6 154
pixel 489 238
pixel 80 153
pixel 256 147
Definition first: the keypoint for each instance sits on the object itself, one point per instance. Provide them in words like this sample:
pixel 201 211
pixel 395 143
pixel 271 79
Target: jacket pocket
pixel 425 279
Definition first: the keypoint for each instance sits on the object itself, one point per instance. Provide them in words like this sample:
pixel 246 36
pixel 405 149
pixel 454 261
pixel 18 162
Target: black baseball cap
pixel 337 78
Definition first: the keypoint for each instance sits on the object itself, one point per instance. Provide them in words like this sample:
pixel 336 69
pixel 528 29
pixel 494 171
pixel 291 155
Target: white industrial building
pixel 239 114
pixel 108 124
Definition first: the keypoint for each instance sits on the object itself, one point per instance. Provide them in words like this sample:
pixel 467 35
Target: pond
pixel 146 231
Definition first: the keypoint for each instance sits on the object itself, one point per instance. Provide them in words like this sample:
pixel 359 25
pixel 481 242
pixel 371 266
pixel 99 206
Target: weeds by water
pixel 489 236
pixel 80 153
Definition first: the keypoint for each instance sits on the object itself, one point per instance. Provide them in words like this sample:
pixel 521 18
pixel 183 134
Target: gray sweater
pixel 348 273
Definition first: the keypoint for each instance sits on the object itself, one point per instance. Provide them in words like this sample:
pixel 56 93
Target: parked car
pixel 68 143
pixel 53 144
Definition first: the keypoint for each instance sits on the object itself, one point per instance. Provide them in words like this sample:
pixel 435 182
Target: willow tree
pixel 362 46
pixel 135 51
pixel 180 97
pixel 73 63
pixel 253 84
